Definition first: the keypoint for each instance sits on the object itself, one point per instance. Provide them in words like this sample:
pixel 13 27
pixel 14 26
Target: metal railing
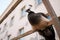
pixel 55 20
pixel 23 35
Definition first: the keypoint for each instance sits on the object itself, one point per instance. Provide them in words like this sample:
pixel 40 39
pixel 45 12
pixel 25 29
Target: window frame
pixel 11 21
pixel 19 33
pixel 36 2
pixel 23 13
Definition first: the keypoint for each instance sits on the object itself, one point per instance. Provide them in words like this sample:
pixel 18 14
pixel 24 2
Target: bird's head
pixel 29 9
pixel 38 20
pixel 29 12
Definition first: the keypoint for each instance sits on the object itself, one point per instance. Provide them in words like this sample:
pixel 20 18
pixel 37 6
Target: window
pixel 5 35
pixel 4 28
pixel 23 13
pixel 11 22
pixel 8 37
pixel 21 31
pixel 38 2
pixel 5 25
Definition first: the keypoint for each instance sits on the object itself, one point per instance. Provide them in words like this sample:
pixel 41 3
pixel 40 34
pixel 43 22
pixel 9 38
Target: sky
pixel 3 5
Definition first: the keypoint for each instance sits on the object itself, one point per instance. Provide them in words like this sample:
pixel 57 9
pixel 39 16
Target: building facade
pixel 14 21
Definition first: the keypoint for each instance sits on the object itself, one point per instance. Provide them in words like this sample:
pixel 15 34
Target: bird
pixel 34 18
pixel 39 21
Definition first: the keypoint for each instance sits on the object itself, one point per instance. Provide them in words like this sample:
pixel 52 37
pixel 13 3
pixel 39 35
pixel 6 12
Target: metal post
pixel 53 15
pixel 23 35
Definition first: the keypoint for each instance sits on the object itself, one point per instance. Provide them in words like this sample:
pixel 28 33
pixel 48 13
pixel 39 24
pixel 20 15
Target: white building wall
pixel 19 22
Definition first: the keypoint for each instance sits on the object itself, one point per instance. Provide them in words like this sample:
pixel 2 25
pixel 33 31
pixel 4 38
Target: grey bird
pixel 39 21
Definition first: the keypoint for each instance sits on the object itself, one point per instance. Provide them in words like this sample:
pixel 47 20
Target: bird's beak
pixel 28 10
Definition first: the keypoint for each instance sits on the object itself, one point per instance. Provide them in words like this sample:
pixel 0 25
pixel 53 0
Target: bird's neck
pixel 31 13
